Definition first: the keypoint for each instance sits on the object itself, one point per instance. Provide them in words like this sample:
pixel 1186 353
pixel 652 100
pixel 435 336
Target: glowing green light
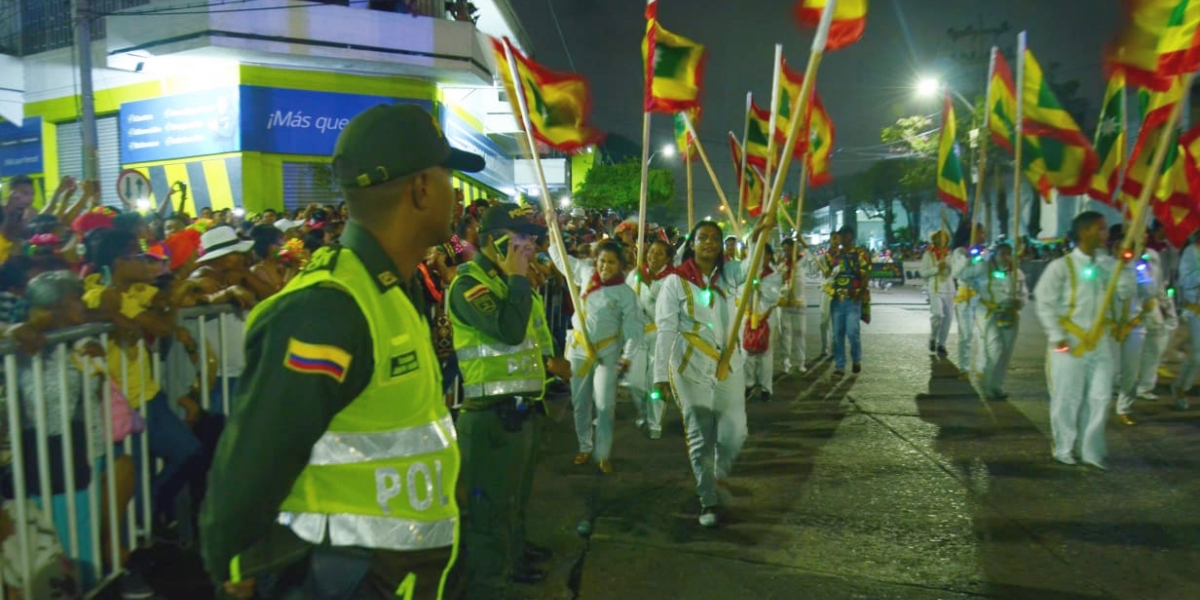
pixel 1145 257
pixel 1089 272
pixel 999 274
pixel 1170 292
pixel 976 259
pixel 755 282
pixel 655 395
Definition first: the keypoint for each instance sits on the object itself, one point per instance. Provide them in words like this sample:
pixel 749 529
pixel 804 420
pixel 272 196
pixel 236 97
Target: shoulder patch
pixel 317 359
pixel 485 304
pixel 475 292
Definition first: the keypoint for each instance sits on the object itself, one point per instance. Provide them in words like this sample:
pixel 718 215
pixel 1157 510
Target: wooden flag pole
pixel 691 198
pixel 547 206
pixel 1135 235
pixel 796 225
pixel 771 145
pixel 644 192
pixel 741 174
pixel 737 228
pixel 806 92
pixel 983 147
pixel 1018 142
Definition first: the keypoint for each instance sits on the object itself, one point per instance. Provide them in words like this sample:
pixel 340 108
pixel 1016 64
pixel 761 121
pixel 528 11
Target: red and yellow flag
pixel 820 144
pixel 750 180
pixel 1064 157
pixel 756 136
pixel 1110 141
pixel 1002 105
pixel 559 103
pixel 1156 110
pixel 849 20
pixel 1161 39
pixel 674 67
pixel 790 84
pixel 684 142
pixel 951 183
pixel 1182 219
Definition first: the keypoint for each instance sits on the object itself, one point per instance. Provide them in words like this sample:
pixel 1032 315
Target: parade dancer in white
pixel 966 302
pixel 614 329
pixel 647 282
pixel 1068 297
pixel 990 275
pixel 1129 325
pixel 940 287
pixel 793 311
pixel 695 313
pixel 1188 294
pixel 1161 323
pixel 760 367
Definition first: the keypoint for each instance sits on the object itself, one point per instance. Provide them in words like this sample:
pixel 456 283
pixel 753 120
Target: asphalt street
pixel 898 483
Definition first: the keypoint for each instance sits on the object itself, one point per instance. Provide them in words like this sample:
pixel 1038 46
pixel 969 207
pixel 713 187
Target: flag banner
pixel 1002 105
pixel 1110 141
pixel 1160 40
pixel 820 144
pixel 1181 220
pixel 674 67
pixel 951 184
pixel 1065 159
pixel 560 104
pixel 750 181
pixel 1155 109
pixel 684 142
pixel 849 20
pixel 790 84
pixel 756 136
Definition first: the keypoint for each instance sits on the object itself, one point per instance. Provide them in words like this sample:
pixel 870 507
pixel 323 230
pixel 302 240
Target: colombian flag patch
pixel 317 359
pixel 475 292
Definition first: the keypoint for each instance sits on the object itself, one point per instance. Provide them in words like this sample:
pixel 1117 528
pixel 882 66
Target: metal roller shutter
pixel 70 155
pixel 305 183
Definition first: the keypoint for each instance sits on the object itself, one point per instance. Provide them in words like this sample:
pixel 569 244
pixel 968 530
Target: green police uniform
pixel 502 364
pixel 334 458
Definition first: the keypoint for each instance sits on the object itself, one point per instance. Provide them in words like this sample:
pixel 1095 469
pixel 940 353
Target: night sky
pixel 865 87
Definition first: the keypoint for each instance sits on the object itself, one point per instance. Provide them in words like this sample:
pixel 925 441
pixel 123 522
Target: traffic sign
pixel 132 186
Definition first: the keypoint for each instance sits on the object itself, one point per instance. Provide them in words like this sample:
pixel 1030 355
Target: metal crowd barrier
pixel 74 514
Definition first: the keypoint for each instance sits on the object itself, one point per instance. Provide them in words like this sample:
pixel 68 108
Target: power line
pixel 558 26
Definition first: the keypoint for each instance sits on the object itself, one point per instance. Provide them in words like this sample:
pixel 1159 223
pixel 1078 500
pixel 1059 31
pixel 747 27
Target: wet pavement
pixel 898 483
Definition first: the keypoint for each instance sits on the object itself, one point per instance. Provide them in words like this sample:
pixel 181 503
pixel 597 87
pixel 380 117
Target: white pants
pixel 965 313
pixel 641 374
pixel 941 315
pixel 760 368
pixel 598 388
pixel 1128 358
pixel 1153 350
pixel 715 418
pixel 1080 393
pixel 826 320
pixel 1191 364
pixel 793 328
pixel 995 346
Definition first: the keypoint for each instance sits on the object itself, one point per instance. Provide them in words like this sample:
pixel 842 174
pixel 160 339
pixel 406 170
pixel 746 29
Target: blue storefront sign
pixel 499 170
pixel 286 121
pixel 21 148
pixel 179 126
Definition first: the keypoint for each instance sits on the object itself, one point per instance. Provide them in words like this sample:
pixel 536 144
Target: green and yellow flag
pixel 1156 110
pixel 820 144
pixel 674 67
pixel 790 84
pixel 1160 40
pixel 559 103
pixel 684 142
pixel 1002 105
pixel 750 180
pixel 1110 141
pixel 1064 157
pixel 849 20
pixel 756 136
pixel 951 184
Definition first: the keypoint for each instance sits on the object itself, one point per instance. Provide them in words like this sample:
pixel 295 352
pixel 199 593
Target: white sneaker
pixel 802 369
pixel 639 423
pixel 708 517
pixel 1148 396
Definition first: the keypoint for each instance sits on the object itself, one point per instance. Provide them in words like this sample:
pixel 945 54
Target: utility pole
pixel 87 101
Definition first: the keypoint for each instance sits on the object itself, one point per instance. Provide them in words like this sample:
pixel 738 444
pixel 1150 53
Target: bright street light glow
pixel 565 202
pixel 668 151
pixel 928 87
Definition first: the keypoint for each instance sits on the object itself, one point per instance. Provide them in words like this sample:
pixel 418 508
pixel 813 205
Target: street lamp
pixel 668 150
pixel 928 87
pixel 565 202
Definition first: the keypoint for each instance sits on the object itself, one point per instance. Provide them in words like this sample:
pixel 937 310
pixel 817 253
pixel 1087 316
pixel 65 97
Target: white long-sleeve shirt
pixel 768 295
pixel 681 309
pixel 1188 282
pixel 611 311
pixel 993 289
pixel 647 292
pixel 1072 289
pixel 936 281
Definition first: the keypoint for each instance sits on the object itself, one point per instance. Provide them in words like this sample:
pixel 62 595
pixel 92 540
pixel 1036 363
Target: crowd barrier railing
pixel 59 442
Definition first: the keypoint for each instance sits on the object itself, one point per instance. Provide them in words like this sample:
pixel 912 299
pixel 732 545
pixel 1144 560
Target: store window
pixel 305 183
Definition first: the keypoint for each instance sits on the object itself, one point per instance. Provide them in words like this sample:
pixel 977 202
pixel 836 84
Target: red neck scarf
pixel 690 273
pixel 939 252
pixel 644 275
pixel 596 283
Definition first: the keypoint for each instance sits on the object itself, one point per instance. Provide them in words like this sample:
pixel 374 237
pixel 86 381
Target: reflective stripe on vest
pixel 489 367
pixel 383 474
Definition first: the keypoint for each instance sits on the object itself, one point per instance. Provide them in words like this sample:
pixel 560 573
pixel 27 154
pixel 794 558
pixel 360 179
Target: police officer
pixel 500 339
pixel 336 476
